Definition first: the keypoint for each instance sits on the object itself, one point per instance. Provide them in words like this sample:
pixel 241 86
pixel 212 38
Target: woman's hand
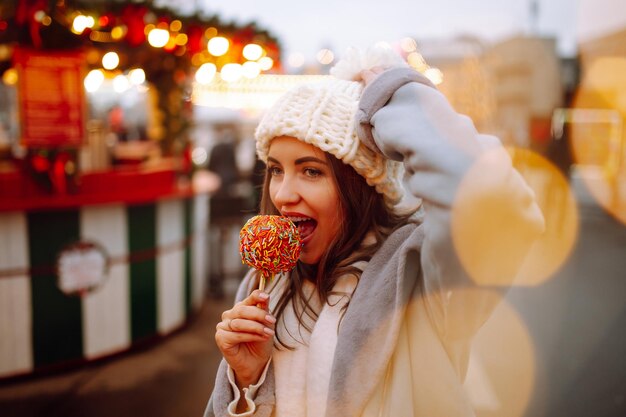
pixel 245 337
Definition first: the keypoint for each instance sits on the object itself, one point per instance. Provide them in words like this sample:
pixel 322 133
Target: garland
pixel 123 27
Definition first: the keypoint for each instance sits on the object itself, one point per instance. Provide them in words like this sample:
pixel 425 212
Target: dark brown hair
pixel 364 210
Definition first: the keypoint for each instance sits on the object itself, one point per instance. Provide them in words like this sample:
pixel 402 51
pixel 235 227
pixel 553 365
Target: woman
pixel 377 317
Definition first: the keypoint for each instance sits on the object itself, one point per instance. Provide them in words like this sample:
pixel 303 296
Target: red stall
pixel 103 212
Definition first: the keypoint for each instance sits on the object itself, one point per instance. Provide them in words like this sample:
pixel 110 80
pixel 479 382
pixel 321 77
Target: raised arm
pixel 480 217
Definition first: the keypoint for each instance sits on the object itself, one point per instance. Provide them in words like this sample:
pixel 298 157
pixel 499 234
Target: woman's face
pixel 302 188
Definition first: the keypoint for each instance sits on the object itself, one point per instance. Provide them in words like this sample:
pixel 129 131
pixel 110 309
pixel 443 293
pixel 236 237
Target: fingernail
pixel 264 296
pixel 270 319
pixel 268 331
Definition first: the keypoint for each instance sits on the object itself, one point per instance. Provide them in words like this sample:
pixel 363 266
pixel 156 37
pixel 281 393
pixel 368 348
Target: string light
pixel 120 84
pixel 205 73
pixel 110 60
pixel 118 32
pixel 181 39
pixel 81 23
pixel 176 25
pixel 137 76
pixel 251 69
pixel 252 51
pixel 218 46
pixel 158 38
pixel 231 72
pixel 266 63
pixel 93 80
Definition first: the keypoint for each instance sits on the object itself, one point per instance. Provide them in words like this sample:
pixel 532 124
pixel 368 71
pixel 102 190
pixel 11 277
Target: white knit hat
pixel 323 115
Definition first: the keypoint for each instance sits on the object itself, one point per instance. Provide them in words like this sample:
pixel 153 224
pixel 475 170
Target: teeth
pixel 299 219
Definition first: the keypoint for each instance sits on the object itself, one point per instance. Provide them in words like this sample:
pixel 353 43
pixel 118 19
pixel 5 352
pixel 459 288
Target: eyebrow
pixel 301 161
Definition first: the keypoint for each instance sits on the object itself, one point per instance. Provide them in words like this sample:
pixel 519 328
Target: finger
pixel 251 313
pixel 257 297
pixel 249 326
pixel 226 339
pixel 244 326
pixel 231 337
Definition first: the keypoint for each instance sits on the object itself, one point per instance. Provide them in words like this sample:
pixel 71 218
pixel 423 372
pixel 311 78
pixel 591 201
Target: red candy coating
pixel 270 244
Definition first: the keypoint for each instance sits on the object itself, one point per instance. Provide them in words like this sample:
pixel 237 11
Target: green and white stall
pixel 86 276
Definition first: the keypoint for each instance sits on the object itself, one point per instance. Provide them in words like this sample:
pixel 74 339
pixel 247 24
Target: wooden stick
pixel 262 285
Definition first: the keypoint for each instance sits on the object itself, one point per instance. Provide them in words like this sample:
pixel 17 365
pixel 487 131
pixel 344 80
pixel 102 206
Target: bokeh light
pixel 137 76
pixel 181 39
pixel 206 73
pixel 434 75
pixel 158 38
pixel 118 32
pixel 81 23
pixel 110 60
pixel 231 72
pixel 176 25
pixel 252 51
pixel 120 84
pixel 10 77
pixel 558 205
pixel 218 46
pixel 502 240
pixel 416 61
pixel 5 52
pixel 199 156
pixel 503 366
pixel 93 80
pixel 210 32
pixel 325 56
pixel 266 63
pixel 597 135
pixel 251 69
pixel 39 15
pixel 295 60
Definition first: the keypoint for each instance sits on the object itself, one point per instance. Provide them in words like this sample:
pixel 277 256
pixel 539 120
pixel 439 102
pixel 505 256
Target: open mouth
pixel 306 226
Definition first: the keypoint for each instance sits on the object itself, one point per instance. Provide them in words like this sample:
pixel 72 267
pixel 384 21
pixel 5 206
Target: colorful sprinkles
pixel 270 244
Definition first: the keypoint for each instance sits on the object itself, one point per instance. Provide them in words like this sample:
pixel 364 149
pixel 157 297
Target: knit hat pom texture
pixel 323 114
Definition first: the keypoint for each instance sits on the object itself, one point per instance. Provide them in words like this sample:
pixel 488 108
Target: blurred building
pixel 613 44
pixel 602 90
pixel 466 82
pixel 527 85
pixel 509 88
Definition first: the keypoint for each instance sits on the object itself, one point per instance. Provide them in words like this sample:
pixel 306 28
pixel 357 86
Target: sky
pixel 307 26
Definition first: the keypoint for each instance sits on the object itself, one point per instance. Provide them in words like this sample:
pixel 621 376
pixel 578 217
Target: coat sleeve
pixel 223 394
pixel 480 217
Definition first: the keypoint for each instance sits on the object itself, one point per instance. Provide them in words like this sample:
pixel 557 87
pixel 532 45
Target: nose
pixel 285 192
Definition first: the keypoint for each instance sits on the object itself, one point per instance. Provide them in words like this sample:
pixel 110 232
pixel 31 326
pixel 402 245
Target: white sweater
pixel 303 373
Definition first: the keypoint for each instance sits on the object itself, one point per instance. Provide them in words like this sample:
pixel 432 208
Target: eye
pixel 312 172
pixel 274 170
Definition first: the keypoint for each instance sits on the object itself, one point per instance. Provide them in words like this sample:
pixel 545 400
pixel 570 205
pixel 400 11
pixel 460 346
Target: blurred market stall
pixel 103 215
